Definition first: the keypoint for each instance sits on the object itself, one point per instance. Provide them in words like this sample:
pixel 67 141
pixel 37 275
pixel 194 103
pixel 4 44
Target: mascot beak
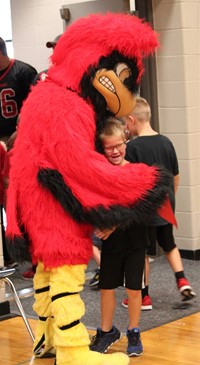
pixel 119 99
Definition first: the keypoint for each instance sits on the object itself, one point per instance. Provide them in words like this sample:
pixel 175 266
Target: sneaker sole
pixel 104 352
pixel 124 305
pixel 143 308
pixel 94 288
pixel 134 354
pixel 95 283
pixel 185 287
pixel 146 308
pixel 187 294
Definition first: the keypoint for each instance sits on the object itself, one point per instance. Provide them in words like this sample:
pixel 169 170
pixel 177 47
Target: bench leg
pixel 19 305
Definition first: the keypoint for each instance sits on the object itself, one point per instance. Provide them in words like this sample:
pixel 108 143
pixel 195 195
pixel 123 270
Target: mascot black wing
pixel 61 187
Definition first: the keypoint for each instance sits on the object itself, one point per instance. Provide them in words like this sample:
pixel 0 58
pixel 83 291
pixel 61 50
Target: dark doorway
pixel 149 81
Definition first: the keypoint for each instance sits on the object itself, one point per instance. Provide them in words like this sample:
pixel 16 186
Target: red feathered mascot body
pixel 61 187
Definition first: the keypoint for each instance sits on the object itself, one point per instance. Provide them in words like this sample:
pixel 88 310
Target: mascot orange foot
pixel 60 310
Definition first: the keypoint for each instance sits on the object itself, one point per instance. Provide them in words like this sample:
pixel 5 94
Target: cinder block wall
pixel 35 22
pixel 178 74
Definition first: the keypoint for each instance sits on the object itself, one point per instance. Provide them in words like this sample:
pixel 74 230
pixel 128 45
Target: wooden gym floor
pixel 175 343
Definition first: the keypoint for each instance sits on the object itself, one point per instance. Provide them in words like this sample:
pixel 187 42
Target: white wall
pixel 34 22
pixel 178 75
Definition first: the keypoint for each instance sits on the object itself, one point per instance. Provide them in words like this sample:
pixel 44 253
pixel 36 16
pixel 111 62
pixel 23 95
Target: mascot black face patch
pixel 114 82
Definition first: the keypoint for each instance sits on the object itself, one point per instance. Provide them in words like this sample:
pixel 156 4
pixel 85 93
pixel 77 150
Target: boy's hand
pixel 104 233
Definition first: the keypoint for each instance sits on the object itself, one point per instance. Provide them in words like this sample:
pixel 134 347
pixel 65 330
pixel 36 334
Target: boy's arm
pixel 176 183
pixel 104 233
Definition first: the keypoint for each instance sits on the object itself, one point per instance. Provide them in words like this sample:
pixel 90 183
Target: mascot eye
pixel 122 71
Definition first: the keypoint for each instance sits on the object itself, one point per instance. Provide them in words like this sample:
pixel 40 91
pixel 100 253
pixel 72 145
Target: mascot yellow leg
pixel 43 346
pixel 71 338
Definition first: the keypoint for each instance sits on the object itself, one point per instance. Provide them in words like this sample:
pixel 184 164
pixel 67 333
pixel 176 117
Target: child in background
pixel 122 258
pixel 7 259
pixel 3 152
pixel 153 148
pixel 94 282
pixel 29 274
pixel 8 262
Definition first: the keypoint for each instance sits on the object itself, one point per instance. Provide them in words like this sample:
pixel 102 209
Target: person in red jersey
pixel 15 80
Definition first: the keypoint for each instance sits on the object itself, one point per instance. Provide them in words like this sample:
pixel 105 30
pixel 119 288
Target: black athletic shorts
pixel 122 259
pixel 163 235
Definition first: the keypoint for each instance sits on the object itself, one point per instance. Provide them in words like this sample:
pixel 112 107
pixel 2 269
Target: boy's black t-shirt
pixel 155 150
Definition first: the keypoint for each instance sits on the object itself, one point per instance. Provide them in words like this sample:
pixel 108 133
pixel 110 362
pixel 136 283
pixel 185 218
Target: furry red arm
pixel 92 180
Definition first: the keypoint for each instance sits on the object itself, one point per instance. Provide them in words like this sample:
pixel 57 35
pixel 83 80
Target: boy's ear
pixel 131 119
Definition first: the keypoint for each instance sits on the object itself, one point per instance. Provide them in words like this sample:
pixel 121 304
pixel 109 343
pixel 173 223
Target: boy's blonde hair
pixel 112 127
pixel 142 110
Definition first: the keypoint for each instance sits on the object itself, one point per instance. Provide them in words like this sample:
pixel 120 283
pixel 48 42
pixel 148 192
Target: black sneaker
pixel 102 341
pixel 95 280
pixel 135 347
pixel 10 264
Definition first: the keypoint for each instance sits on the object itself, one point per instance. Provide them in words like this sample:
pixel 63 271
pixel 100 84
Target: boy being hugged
pixel 122 259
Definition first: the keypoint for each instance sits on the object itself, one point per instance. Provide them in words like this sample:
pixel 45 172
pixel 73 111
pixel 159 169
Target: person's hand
pixel 104 233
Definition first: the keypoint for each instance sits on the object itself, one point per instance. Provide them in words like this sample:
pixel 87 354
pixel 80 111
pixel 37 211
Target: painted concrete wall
pixel 34 22
pixel 178 73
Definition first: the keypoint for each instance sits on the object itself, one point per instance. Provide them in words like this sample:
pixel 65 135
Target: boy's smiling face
pixel 114 149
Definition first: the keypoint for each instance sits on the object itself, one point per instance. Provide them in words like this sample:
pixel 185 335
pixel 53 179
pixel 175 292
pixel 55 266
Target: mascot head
pixel 100 57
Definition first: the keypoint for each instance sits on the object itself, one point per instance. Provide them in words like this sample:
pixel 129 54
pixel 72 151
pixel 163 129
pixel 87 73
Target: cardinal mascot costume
pixel 61 187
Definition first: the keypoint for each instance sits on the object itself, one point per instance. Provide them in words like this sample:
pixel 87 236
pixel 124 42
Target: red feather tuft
pixel 90 38
pixel 166 212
